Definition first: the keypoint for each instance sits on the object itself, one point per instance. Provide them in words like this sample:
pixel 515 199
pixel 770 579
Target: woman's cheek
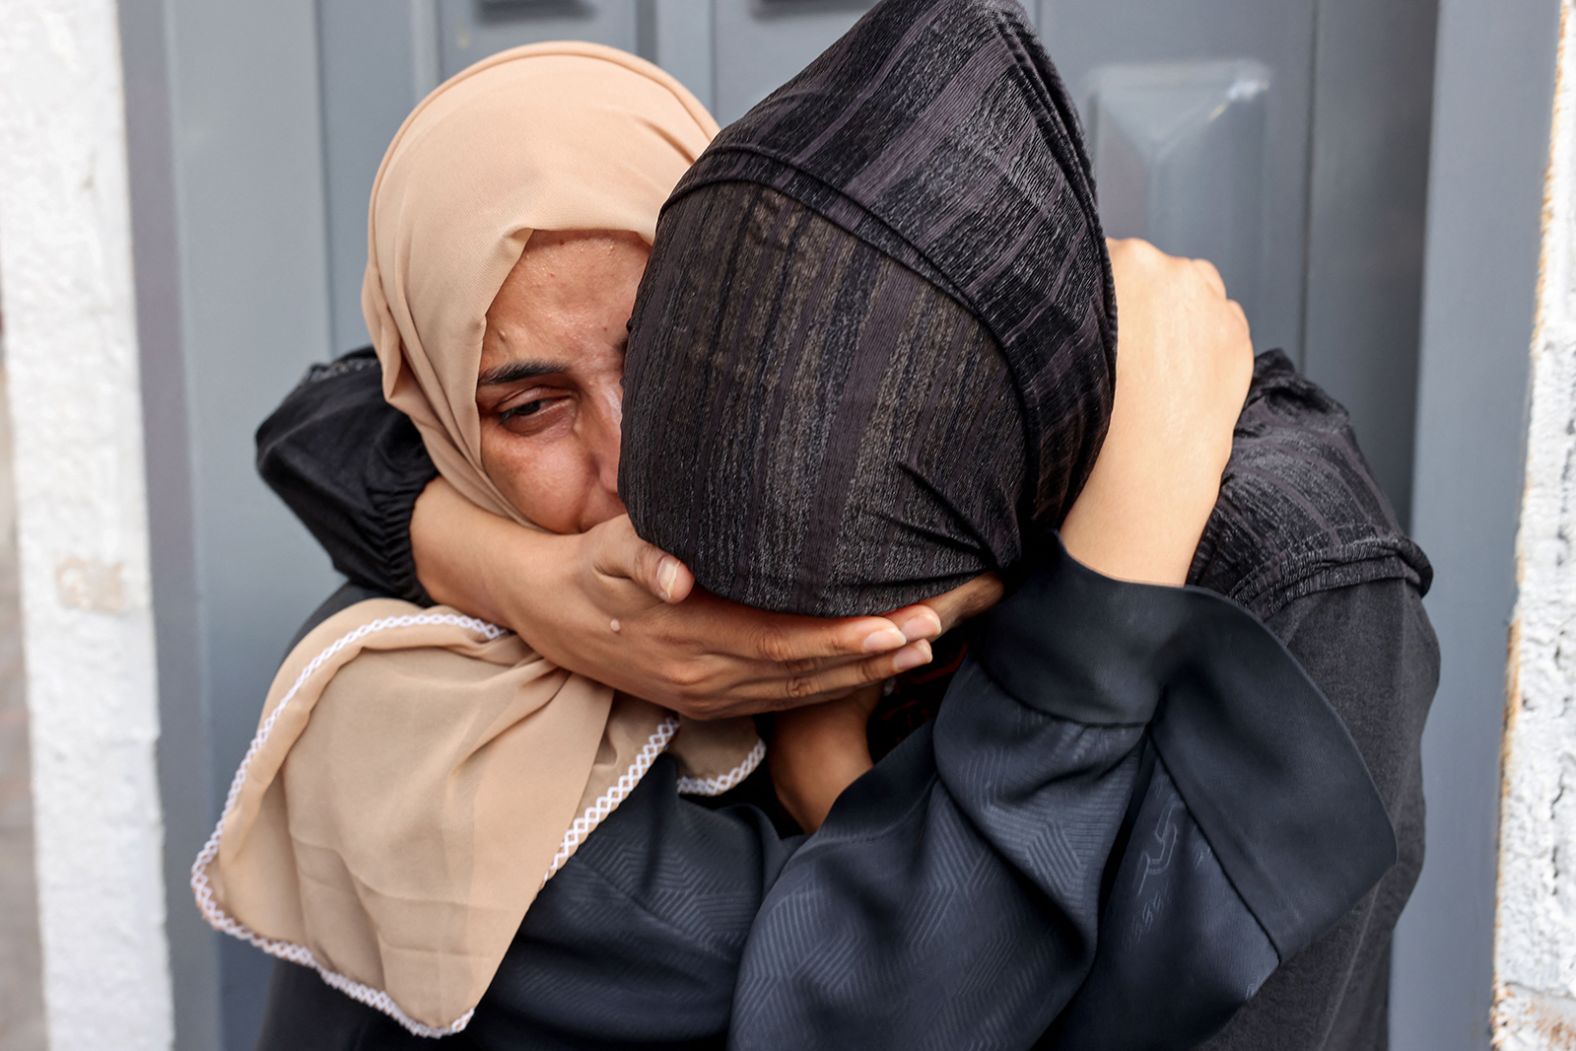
pixel 548 487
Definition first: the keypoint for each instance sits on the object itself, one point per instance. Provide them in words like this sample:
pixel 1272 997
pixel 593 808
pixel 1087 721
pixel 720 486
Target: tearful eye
pixel 536 415
pixel 530 408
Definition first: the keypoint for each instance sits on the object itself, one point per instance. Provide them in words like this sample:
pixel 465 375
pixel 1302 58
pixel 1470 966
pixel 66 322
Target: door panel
pixel 762 43
pixel 1181 155
pixel 1199 115
pixel 375 68
pixel 469 30
pixel 379 58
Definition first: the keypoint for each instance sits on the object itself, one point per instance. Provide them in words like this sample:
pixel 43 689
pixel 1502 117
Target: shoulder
pixel 356 620
pixel 1299 509
pixel 343 598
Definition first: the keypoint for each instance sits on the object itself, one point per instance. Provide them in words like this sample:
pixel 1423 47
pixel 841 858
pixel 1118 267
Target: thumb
pixel 622 554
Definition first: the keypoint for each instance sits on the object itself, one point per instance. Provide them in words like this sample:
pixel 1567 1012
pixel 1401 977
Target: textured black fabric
pixel 1371 648
pixel 829 439
pixel 351 467
pixel 954 895
pixel 1299 511
pixel 882 303
pixel 1281 792
pixel 1146 988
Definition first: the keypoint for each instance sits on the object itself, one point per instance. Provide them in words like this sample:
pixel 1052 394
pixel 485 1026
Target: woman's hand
pixel 818 752
pixel 1183 364
pixel 689 651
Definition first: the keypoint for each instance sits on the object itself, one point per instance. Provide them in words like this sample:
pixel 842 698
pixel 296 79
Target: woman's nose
pixel 605 442
pixel 607 468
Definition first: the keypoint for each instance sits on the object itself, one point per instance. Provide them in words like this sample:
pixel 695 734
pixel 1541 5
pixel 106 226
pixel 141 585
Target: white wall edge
pixel 66 282
pixel 1535 930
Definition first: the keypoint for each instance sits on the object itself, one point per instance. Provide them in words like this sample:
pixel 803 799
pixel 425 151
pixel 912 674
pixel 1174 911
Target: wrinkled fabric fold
pixel 1107 877
pixel 366 532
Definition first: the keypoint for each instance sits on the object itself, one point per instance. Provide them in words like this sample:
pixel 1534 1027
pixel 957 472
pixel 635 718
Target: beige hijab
pixel 417 774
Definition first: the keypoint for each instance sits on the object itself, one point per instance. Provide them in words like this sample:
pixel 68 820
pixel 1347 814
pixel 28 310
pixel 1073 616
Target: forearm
pixel 1139 520
pixel 479 563
pixel 818 751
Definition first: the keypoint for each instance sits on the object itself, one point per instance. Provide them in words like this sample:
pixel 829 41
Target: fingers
pixel 1142 255
pixel 620 553
pixel 839 680
pixel 1134 250
pixel 661 574
pixel 1211 276
pixel 713 688
pixel 794 642
pixel 963 602
pixel 920 621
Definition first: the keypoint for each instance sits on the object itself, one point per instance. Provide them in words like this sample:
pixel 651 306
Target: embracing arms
pixel 689 944
pixel 1183 364
pixel 352 468
pixel 640 940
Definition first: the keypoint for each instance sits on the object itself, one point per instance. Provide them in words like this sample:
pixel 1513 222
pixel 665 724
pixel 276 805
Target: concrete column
pixel 1535 943
pixel 66 280
pixel 1488 155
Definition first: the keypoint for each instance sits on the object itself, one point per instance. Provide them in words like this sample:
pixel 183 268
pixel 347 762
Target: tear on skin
pixel 615 405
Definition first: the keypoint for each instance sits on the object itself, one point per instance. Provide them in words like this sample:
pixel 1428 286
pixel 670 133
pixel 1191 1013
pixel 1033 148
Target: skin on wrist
pixel 817 752
pixel 1141 529
pixel 1183 368
pixel 458 548
pixel 595 603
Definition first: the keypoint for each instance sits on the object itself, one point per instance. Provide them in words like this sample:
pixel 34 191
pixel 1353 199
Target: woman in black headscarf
pixel 1060 828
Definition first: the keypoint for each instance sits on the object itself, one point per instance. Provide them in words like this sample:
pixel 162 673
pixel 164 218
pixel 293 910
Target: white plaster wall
pixel 1535 951
pixel 65 278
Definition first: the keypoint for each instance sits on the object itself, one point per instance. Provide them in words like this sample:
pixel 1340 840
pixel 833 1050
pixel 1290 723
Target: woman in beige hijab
pixel 380 834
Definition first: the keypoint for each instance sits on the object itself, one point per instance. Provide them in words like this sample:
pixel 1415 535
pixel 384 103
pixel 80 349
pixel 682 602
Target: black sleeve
pixel 350 467
pixel 951 898
pixel 1142 771
pixel 650 936
pixel 634 944
pixel 1373 652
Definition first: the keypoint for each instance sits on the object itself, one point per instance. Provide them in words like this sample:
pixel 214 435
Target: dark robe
pixel 948 900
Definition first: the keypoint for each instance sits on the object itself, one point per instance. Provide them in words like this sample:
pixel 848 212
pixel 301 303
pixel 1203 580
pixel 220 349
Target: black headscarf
pixel 874 350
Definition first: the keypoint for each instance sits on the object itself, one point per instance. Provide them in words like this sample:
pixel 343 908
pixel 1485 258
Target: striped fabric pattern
pixel 906 228
pixel 874 350
pixel 1299 511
